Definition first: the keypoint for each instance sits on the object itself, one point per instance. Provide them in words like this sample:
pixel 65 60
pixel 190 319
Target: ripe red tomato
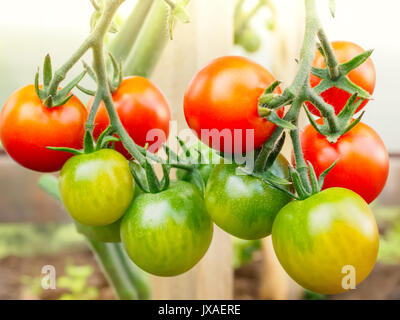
pixel 363 164
pixel 27 127
pixel 364 76
pixel 141 106
pixel 224 96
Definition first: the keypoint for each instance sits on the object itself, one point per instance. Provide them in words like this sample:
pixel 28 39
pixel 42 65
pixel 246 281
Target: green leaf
pixel 152 180
pixel 65 149
pixel 354 63
pixel 67 89
pixel 275 119
pixel 324 174
pixel 47 71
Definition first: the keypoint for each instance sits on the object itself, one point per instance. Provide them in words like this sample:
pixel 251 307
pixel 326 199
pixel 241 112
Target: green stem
pixel 96 35
pixel 301 165
pixel 136 275
pixel 104 92
pixel 113 267
pixel 126 37
pixel 330 57
pixel 150 42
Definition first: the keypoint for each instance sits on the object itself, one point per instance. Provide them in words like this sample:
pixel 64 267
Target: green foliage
pixel 243 251
pixel 25 239
pixel 74 281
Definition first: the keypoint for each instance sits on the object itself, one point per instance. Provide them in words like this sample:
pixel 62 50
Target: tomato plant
pixel 27 127
pixel 363 76
pixel 141 107
pixel 362 160
pixel 96 188
pixel 242 205
pixel 224 96
pixel 315 239
pixel 167 233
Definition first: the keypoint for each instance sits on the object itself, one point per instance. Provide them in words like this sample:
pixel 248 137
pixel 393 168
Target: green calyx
pixel 269 102
pixel 342 81
pixel 89 145
pixel 344 119
pixel 63 95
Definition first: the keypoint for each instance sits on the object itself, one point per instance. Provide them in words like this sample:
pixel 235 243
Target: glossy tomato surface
pixel 318 241
pixel 222 100
pixel 363 161
pixel 141 107
pixel 363 76
pixel 167 233
pixel 27 127
pixel 97 188
pixel 242 205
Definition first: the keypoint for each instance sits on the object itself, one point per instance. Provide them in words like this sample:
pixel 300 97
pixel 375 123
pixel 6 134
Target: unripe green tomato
pixel 167 233
pixel 96 188
pixel 327 240
pixel 108 233
pixel 243 205
pixel 249 40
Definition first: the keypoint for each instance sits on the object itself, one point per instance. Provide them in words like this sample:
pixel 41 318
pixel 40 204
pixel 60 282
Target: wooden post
pixel 209 35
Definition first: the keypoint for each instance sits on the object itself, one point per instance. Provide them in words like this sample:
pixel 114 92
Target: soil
pixel 383 283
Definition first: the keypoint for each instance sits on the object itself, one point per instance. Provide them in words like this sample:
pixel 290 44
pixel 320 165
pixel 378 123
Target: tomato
pixel 141 107
pixel 222 102
pixel 242 205
pixel 27 127
pixel 363 162
pixel 167 233
pixel 317 239
pixel 363 76
pixel 97 188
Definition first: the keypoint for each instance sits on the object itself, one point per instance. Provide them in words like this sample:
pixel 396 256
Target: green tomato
pixel 108 233
pixel 249 40
pixel 319 240
pixel 242 205
pixel 167 233
pixel 96 188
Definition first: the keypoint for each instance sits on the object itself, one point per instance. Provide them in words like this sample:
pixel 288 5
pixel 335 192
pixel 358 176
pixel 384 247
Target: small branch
pixel 301 165
pixel 98 33
pixel 327 111
pixel 330 57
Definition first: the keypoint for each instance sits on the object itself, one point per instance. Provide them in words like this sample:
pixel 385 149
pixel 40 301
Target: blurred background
pixel 34 229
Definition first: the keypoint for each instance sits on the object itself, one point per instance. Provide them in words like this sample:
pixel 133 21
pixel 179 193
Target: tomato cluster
pixel 166 232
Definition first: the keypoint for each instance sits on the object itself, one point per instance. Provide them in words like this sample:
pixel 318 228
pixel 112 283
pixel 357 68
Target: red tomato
pixel 224 96
pixel 363 76
pixel 141 106
pixel 27 127
pixel 363 164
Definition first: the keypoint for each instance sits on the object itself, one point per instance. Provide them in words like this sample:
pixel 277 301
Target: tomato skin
pixel 315 238
pixel 27 127
pixel 242 205
pixel 96 188
pixel 364 76
pixel 141 107
pixel 224 96
pixel 363 164
pixel 167 233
